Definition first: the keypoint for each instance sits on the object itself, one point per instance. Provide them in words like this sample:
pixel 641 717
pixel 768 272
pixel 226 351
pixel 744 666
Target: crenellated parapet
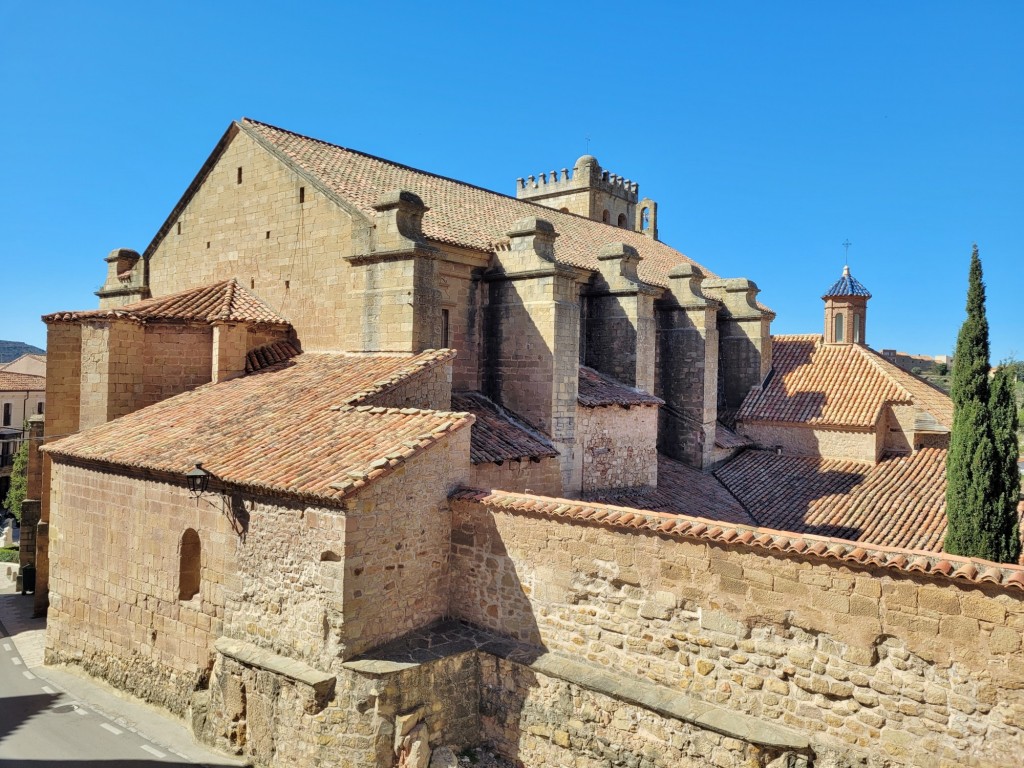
pixel 592 191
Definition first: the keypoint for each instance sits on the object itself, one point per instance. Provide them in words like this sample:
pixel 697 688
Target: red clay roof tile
pixel 225 301
pixel 927 563
pixel 288 429
pixel 900 501
pixel 597 389
pixel 15 382
pixel 822 384
pixel 460 214
pixel 498 434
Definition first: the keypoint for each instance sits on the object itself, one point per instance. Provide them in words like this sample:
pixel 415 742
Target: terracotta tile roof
pixel 13 382
pixel 498 434
pixel 726 438
pixel 460 213
pixel 928 398
pixel 681 490
pixel 847 385
pixel 225 301
pixel 283 430
pixel 597 389
pixel 268 355
pixel 898 502
pixel 690 528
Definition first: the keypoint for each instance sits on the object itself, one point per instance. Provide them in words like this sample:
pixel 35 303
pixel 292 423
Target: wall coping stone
pixel 450 638
pixel 254 656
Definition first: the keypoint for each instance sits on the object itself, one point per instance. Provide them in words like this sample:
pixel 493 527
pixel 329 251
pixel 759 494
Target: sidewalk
pixel 29 637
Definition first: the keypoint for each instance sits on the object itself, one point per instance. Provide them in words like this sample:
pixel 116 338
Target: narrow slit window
pixel 445 328
pixel 239 174
pixel 268 235
pixel 179 227
pixel 302 194
pixel 839 327
pixel 39 408
pixel 189 573
pixel 7 414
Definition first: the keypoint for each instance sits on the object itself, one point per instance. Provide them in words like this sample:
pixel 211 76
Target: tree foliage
pixel 19 482
pixel 1003 535
pixel 981 521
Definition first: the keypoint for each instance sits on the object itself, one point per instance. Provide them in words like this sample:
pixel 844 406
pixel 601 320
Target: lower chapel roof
pixel 296 428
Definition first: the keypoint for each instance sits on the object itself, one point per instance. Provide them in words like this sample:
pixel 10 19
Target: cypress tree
pixel 979 523
pixel 1002 536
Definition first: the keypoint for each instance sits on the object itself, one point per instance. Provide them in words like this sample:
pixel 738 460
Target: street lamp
pixel 198 479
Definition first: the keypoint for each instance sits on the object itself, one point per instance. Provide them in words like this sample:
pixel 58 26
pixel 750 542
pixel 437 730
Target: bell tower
pixel 846 309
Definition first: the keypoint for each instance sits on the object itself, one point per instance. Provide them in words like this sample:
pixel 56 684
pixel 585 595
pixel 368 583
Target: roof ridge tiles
pixel 936 564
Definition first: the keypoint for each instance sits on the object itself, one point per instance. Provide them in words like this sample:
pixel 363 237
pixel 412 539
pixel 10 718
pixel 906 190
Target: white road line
pixel 16 661
pixel 112 729
pixel 7 646
pixel 29 675
pixel 49 690
pixel 79 710
pixel 153 751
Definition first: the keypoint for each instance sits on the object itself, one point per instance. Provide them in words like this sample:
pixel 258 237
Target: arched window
pixel 605 217
pixel 839 327
pixel 622 220
pixel 189 572
pixel 856 329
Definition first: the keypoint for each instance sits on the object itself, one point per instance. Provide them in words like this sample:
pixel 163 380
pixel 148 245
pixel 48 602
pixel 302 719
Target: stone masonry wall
pixel 397 534
pixel 540 720
pixel 111 371
pixel 686 378
pixel 175 359
pixel 114 608
pixel 288 253
pixel 904 669
pixel 462 296
pixel 543 477
pixel 618 447
pixel 815 441
pixel 430 390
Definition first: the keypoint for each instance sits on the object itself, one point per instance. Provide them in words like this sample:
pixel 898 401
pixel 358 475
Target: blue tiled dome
pixel 847 285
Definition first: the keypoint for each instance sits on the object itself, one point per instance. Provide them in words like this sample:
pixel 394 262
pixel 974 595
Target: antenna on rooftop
pixel 588 145
pixel 846 248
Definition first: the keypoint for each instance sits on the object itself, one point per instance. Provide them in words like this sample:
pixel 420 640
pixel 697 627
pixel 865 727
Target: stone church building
pixel 503 470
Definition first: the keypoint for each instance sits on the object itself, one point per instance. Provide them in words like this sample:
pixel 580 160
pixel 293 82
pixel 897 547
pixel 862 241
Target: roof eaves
pixel 934 564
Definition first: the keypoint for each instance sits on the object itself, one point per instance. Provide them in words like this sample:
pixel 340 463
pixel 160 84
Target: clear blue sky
pixel 768 133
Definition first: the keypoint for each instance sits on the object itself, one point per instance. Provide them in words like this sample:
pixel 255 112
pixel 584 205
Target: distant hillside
pixel 12 350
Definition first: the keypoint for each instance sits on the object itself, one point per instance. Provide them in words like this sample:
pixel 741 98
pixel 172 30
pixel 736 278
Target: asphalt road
pixel 43 727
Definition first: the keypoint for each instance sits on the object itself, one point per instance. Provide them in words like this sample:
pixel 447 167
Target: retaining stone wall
pixel 913 670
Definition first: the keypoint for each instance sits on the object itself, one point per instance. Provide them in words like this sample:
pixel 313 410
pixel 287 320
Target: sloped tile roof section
pixel 821 384
pixel 268 355
pixel 284 430
pixel 847 285
pixel 459 213
pixel 841 385
pixel 898 502
pixel 691 528
pixel 682 490
pixel 597 390
pixel 225 301
pixel 933 404
pixel 24 382
pixel 498 434
pixel 726 438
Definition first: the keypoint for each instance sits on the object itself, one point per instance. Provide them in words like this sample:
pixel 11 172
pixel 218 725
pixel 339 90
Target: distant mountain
pixel 12 350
